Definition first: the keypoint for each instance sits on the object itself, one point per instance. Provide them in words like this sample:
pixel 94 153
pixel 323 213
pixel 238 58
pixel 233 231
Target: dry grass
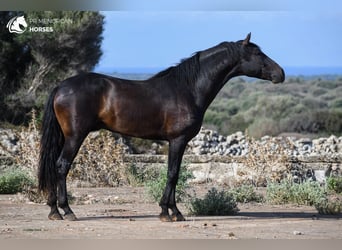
pixel 99 161
pixel 29 138
pixel 267 160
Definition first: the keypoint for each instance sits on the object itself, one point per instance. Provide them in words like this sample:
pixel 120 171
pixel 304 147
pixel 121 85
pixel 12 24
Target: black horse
pixel 169 106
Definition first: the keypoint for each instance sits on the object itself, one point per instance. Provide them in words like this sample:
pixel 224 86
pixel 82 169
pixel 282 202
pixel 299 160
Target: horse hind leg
pixel 63 169
pixel 52 202
pixel 69 151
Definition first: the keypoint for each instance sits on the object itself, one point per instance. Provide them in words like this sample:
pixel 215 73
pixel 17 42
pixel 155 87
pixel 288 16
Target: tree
pixel 14 58
pixel 72 47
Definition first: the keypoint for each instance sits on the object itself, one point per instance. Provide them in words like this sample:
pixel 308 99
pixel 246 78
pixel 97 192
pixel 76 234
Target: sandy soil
pixel 124 213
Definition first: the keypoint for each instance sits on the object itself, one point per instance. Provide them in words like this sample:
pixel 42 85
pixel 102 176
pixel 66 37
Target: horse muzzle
pixel 278 76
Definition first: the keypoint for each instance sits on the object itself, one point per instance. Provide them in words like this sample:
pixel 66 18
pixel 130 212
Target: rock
pixel 332 139
pixel 297 233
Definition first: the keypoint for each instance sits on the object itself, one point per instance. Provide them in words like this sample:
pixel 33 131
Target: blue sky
pixel 160 36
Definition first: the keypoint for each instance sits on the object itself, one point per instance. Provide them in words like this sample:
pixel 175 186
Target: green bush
pixel 245 194
pixel 278 193
pixel 137 176
pixel 334 184
pixel 155 188
pixel 329 205
pixel 333 122
pixel 318 92
pixel 214 203
pixel 307 193
pixel 337 104
pixel 14 181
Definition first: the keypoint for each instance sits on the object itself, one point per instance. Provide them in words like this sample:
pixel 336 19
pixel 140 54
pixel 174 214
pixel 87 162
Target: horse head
pixel 255 63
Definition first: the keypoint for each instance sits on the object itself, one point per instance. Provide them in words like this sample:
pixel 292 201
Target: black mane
pixel 187 70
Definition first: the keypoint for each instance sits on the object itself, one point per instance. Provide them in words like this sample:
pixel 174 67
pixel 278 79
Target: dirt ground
pixel 124 213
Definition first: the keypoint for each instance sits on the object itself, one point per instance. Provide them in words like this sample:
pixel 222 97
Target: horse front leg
pixel 168 200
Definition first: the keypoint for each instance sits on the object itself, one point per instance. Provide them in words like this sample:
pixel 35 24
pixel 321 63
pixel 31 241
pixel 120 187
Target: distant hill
pixel 313 107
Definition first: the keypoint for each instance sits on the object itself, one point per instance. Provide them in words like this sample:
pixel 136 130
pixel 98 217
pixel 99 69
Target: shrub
pixel 235 123
pixel 333 122
pixel 245 193
pixel 306 193
pixel 99 161
pixel 137 176
pixel 155 188
pixel 214 203
pixel 14 181
pixel 334 184
pixel 29 146
pixel 337 104
pixel 329 205
pixel 264 126
pixel 318 92
pixel 278 193
pixel 266 160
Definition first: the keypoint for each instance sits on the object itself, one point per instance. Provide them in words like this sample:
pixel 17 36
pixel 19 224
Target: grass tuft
pixel 155 187
pixel 214 203
pixel 14 181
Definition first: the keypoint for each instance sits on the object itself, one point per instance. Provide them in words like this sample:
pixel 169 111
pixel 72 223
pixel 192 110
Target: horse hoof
pixel 70 217
pixel 55 216
pixel 177 217
pixel 165 218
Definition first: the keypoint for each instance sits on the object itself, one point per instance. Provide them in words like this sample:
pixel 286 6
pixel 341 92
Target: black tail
pixel 51 144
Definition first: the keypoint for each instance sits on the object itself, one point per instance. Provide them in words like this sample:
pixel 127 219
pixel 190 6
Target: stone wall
pixel 226 170
pixel 223 159
pixel 209 142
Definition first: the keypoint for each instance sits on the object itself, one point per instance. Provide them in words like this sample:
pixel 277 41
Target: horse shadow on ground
pixel 238 216
pixel 118 217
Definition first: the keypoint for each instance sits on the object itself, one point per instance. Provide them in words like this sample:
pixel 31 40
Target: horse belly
pixel 142 125
pixel 145 121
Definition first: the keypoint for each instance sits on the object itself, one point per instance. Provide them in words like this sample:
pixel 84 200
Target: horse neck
pixel 217 67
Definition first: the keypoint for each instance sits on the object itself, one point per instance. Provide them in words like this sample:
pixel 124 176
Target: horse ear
pixel 246 41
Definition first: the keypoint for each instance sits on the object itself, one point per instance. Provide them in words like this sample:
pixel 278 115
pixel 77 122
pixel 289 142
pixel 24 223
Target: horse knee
pixel 63 167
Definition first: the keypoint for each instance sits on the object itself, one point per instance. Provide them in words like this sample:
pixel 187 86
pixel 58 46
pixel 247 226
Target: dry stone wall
pixel 222 159
pixel 209 142
pixel 225 159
